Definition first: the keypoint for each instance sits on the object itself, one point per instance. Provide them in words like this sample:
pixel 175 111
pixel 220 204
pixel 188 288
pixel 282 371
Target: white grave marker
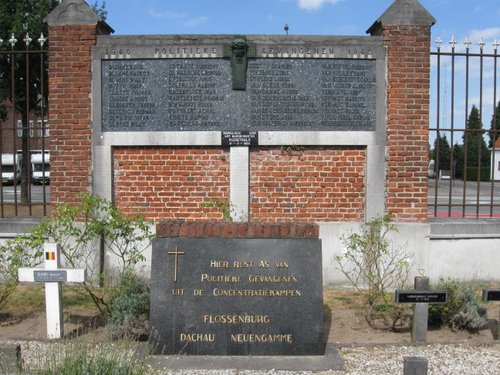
pixel 52 276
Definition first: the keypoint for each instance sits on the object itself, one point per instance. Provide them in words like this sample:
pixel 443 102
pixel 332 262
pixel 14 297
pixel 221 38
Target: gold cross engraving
pixel 176 254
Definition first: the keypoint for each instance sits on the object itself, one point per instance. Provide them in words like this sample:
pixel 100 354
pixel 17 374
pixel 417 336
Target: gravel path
pixel 443 360
pixel 460 359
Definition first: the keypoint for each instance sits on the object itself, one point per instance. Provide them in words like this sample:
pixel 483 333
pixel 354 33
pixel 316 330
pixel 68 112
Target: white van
pixel 40 167
pixel 11 169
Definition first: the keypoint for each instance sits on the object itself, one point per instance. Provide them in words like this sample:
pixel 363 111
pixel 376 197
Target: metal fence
pixel 464 172
pixel 24 129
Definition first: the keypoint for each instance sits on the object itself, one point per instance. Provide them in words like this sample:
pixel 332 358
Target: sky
pixel 307 17
pixel 457 19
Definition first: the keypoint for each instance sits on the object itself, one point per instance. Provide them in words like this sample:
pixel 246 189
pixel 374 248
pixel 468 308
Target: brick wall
pixel 307 185
pixel 10 140
pixel 177 183
pixel 70 82
pixel 408 75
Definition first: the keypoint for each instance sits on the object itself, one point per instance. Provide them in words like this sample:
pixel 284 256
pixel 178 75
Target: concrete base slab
pixel 330 361
pixel 9 359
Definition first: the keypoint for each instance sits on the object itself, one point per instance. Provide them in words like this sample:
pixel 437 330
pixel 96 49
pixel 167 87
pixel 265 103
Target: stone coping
pixel 237 230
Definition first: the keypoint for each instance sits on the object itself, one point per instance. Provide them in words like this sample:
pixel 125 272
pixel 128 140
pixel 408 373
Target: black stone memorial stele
pixel 237 296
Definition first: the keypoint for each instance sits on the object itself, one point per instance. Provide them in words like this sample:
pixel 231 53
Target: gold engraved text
pixel 236 319
pixel 220 278
pixel 272 279
pixel 255 293
pixel 251 337
pixel 197 337
pixel 219 264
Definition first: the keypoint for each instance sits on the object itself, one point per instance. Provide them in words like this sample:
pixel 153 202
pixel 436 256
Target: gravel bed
pixel 460 359
pixel 382 360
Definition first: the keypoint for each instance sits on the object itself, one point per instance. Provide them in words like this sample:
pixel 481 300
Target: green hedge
pixel 485 174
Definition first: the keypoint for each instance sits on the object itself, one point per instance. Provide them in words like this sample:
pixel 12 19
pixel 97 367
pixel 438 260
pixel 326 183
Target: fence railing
pixel 464 173
pixel 24 128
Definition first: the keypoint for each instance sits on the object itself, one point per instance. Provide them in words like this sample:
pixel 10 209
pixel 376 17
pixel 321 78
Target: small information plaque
pixel 491 295
pixel 421 296
pixel 50 276
pixel 243 138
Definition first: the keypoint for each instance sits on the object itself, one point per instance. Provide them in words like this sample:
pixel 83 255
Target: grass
pixel 29 298
pixel 81 358
pixel 75 357
pixel 336 298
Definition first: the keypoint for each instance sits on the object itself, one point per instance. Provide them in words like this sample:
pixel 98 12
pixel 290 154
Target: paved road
pixel 36 193
pixel 481 199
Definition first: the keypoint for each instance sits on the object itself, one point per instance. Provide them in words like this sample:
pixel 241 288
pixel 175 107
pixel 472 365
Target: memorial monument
pixel 247 294
pixel 322 130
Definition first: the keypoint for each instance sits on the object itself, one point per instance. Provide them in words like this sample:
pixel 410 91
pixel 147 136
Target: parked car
pixel 11 169
pixel 40 167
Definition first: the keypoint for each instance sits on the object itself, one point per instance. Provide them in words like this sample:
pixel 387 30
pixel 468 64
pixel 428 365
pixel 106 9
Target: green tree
pixel 458 159
pixel 441 153
pixel 100 9
pixel 477 154
pixel 495 125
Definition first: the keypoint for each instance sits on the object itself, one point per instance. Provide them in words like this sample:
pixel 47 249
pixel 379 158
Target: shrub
pixel 130 308
pixel 23 251
pixel 463 311
pixel 77 229
pixel 376 268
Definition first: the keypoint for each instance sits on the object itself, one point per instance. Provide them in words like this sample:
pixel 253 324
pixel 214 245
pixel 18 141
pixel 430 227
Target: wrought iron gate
pixel 464 172
pixel 24 128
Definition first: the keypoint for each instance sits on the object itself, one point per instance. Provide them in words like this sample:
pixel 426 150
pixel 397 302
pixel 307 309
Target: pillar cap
pixel 403 12
pixel 75 12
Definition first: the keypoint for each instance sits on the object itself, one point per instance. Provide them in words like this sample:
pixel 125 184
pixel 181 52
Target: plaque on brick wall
pixel 244 138
pixel 237 296
pixel 280 95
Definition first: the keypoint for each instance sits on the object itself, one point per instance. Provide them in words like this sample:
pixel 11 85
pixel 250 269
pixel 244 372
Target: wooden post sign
pixel 52 275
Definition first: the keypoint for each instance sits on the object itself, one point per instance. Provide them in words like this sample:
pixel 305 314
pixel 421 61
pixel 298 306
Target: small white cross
pixel 52 275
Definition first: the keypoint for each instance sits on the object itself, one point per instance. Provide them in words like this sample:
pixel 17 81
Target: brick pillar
pixel 406 31
pixel 73 30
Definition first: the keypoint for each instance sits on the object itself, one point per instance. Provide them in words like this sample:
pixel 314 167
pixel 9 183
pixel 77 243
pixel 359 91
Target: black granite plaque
pixel 421 296
pixel 197 95
pixel 226 296
pixel 240 139
pixel 490 295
